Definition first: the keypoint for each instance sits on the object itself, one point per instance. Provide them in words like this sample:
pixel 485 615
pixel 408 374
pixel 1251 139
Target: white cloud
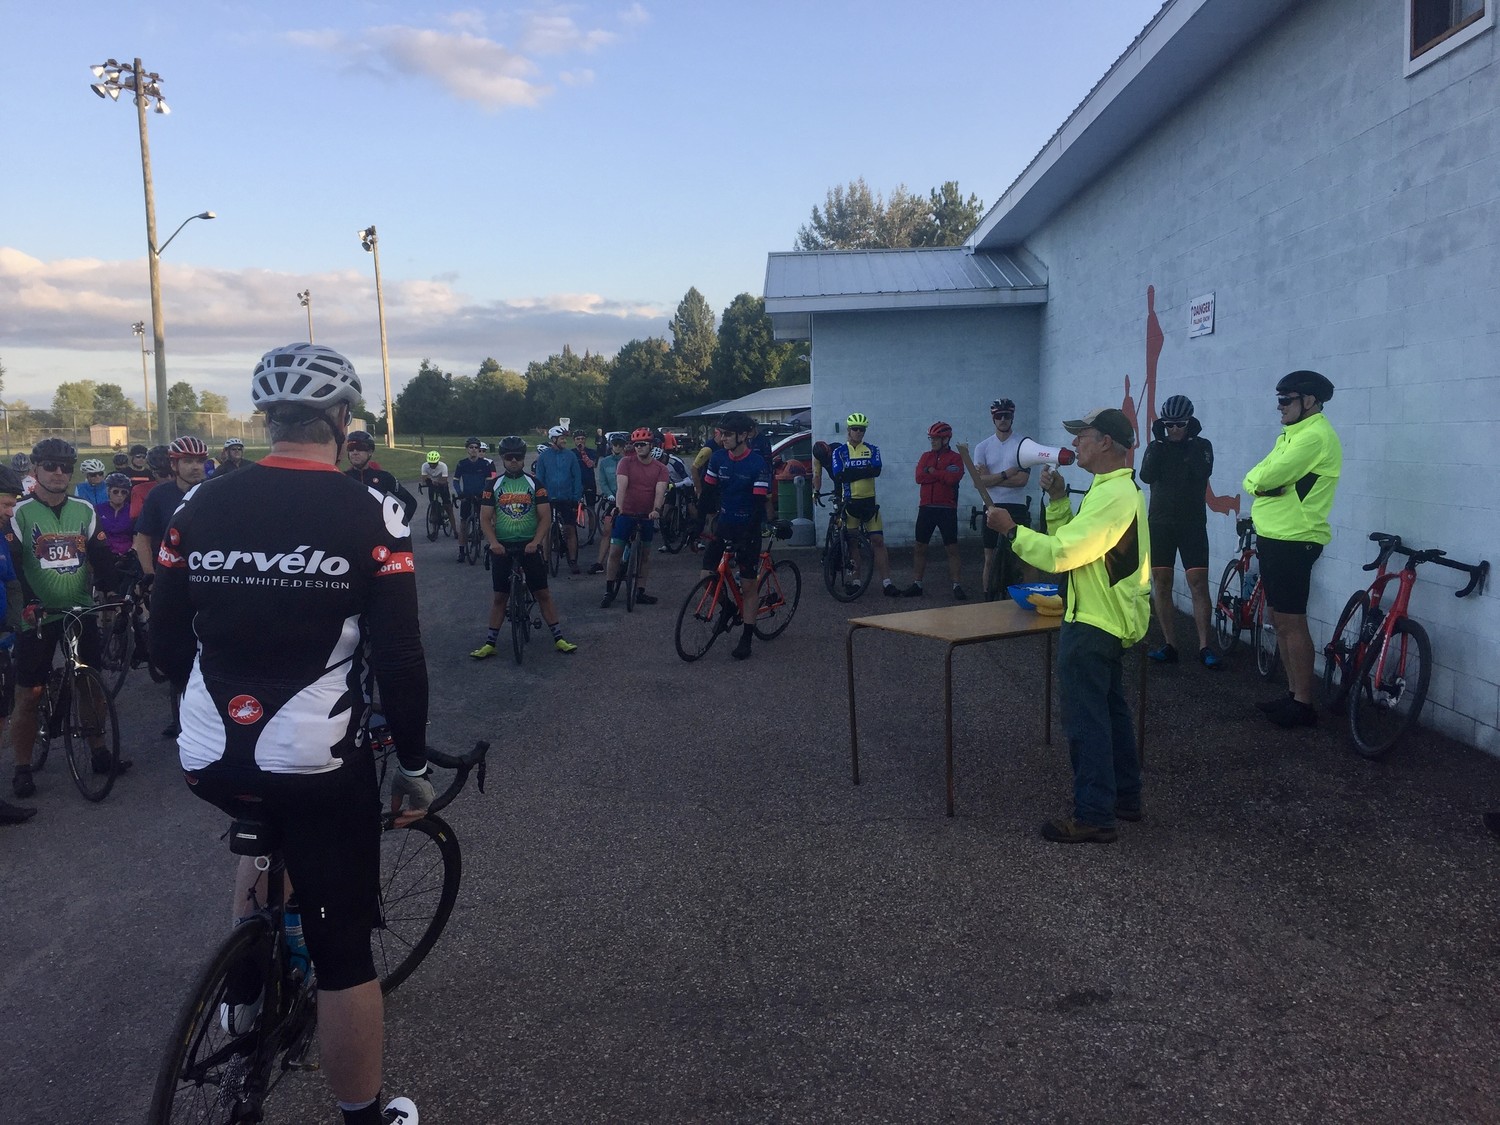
pixel 462 58
pixel 70 319
pixel 634 16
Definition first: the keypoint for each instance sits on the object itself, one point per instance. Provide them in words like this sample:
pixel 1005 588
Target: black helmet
pixel 736 422
pixel 472 441
pixel 117 480
pixel 10 482
pixel 1305 383
pixel 512 445
pixel 359 439
pixel 53 449
pixel 1178 408
pixel 1000 405
pixel 137 449
pixel 159 461
pixel 121 460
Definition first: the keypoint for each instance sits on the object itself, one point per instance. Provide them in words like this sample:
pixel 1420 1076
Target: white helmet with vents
pixel 304 375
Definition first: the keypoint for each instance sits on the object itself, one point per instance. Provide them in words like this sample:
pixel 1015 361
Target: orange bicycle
pixel 716 606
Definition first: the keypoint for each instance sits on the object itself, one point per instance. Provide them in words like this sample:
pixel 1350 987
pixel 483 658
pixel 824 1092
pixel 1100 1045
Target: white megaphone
pixel 1031 453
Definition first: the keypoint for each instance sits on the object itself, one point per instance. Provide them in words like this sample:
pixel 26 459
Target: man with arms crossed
pixel 939 472
pixel 1106 550
pixel 279 590
pixel 1293 489
pixel 997 461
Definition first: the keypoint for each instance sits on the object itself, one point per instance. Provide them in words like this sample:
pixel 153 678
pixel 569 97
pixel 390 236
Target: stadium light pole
pixel 145 88
pixel 368 240
pixel 306 298
pixel 139 328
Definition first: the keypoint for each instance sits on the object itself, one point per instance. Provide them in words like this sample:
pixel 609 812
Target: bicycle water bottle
pixel 299 962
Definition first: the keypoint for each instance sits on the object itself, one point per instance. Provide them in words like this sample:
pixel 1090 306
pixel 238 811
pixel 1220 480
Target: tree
pixel 746 355
pixel 950 217
pixel 2 378
pixel 693 339
pixel 111 407
pixel 642 385
pixel 566 385
pixel 493 401
pixel 854 219
pixel 426 402
pixel 73 403
pixel 211 403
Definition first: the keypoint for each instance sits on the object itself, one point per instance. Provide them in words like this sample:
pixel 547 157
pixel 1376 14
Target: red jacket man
pixel 939 472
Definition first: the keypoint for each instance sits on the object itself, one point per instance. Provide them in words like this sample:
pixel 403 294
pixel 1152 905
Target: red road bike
pixel 1241 605
pixel 1378 665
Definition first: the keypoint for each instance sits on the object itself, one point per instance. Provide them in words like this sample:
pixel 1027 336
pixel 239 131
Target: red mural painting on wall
pixel 1155 339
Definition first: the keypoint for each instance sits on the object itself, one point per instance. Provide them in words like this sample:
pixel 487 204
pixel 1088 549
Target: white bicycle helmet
pixel 304 375
pixel 556 432
pixel 92 465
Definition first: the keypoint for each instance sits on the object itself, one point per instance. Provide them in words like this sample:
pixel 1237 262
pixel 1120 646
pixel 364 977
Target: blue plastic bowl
pixel 1018 593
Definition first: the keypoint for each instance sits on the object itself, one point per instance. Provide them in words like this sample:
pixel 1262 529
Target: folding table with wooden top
pixel 957 626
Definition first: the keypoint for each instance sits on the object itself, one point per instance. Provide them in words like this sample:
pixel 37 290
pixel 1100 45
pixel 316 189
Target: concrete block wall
pixel 1347 219
pixel 906 370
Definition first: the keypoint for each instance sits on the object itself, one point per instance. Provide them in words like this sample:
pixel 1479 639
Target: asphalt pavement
pixel 677 908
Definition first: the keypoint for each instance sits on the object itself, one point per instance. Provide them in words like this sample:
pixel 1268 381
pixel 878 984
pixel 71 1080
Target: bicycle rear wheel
pixel 1267 657
pixel 91 735
pixel 702 618
pixel 50 718
pixel 1339 654
pixel 780 591
pixel 848 566
pixel 209 1074
pixel 1390 688
pixel 420 868
pixel 1227 607
pixel 674 527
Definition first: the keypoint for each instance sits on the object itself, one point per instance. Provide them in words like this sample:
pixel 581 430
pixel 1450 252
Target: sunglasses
pixel 643 445
pixel 856 429
pixel 1287 400
pixel 513 457
pixel 1002 413
pixel 55 466
pixel 120 491
pixel 1174 425
pixel 361 449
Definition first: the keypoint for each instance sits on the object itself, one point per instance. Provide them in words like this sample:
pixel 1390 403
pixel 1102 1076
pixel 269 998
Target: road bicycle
pixel 439 516
pixel 587 524
pixel 77 708
pixel 557 544
pixel 677 517
pixel 473 540
pixel 126 629
pixel 520 607
pixel 848 558
pixel 630 560
pixel 1378 665
pixel 212 1071
pixel 715 605
pixel 1241 604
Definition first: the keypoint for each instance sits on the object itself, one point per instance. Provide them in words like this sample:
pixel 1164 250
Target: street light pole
pixel 139 328
pixel 306 297
pixel 368 240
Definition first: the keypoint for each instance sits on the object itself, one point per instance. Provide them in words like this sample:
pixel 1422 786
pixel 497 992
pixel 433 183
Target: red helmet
pixel 940 430
pixel 187 446
pixel 642 434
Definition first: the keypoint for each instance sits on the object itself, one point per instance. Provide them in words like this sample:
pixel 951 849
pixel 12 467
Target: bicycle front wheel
pixel 557 547
pixel 1390 688
pixel 434 522
pixel 91 736
pixel 1340 653
pixel 420 868
pixel 1267 657
pixel 520 623
pixel 780 591
pixel 114 657
pixel 1227 608
pixel 473 539
pixel 586 524
pixel 633 570
pixel 208 1074
pixel 702 618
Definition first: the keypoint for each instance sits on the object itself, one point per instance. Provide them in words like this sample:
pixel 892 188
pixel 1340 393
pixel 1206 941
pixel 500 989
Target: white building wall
pixel 1347 220
pixel 906 370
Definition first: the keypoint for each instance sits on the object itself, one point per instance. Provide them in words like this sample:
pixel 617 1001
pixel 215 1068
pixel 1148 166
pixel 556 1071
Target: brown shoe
pixel 1066 830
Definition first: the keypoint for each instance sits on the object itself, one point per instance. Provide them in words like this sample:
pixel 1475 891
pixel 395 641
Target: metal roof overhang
pixel 1185 45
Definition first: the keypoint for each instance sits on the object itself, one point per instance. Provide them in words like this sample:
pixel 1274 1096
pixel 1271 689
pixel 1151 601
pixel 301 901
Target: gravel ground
pixel 676 907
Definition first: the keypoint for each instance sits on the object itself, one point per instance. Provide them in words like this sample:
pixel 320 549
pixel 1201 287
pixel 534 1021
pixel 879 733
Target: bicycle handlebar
pixel 1392 545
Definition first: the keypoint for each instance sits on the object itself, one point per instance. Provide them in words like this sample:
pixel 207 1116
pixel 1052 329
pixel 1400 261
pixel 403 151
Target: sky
pixel 537 175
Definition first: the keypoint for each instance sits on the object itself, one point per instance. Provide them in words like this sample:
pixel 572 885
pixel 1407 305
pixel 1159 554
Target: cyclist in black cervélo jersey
pixel 276 597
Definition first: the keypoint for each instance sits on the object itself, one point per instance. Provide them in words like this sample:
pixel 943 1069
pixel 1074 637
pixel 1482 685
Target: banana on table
pixel 1048 605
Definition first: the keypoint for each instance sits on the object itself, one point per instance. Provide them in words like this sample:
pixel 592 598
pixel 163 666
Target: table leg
pixel 853 729
pixel 1047 697
pixel 948 720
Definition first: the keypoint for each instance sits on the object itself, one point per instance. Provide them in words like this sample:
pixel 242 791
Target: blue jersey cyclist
pixel 743 478
pixel 559 471
pixel 469 477
pixel 516 518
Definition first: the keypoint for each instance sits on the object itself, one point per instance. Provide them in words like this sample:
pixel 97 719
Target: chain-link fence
pixel 20 429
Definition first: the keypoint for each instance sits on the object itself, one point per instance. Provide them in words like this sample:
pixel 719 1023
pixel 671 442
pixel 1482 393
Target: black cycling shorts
pixel 743 539
pixel 1018 512
pixel 34 650
pixel 565 512
pixel 1168 540
pixel 533 566
pixel 943 520
pixel 329 825
pixel 7 683
pixel 1286 569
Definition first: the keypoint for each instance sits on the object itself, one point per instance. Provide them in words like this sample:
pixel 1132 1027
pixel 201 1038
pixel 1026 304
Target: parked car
pixel 791 457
